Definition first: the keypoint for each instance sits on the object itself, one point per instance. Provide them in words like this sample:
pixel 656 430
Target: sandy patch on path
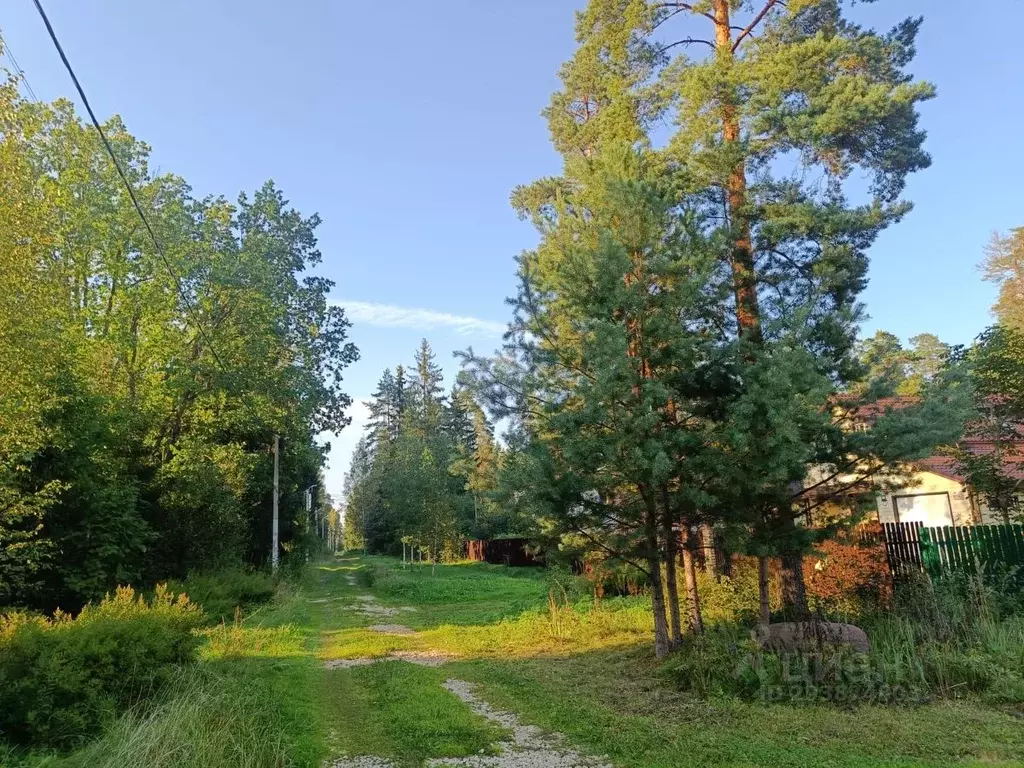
pixel 422 658
pixel 530 747
pixel 391 629
pixel 348 663
pixel 368 606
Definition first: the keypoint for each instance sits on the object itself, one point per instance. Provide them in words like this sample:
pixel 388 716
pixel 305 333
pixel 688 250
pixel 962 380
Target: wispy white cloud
pixel 390 316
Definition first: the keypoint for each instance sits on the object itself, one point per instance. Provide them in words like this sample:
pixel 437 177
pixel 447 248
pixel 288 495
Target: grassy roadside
pixel 590 675
pixel 250 702
pixel 261 697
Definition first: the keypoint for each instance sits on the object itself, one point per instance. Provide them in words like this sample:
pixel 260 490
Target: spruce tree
pixel 427 401
pixel 401 393
pixel 458 419
pixel 385 412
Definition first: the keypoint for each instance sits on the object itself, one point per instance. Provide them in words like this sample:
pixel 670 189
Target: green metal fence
pixel 977 548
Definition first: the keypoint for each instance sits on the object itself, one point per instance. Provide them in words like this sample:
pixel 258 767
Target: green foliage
pixel 1004 266
pixel 61 680
pixel 732 599
pixel 685 323
pixel 619 348
pixel 943 641
pixel 132 446
pixel 236 716
pixel 219 593
pixel 891 369
pixel 425 474
pixel 989 454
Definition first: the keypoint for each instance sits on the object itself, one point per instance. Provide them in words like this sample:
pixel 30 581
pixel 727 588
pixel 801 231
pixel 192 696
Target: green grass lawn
pixel 262 697
pixel 591 675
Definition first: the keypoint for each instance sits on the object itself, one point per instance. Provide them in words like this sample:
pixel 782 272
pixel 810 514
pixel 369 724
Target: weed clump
pixel 941 641
pixel 63 679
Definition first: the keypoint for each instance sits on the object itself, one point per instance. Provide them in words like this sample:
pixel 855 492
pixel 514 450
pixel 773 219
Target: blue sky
pixel 406 125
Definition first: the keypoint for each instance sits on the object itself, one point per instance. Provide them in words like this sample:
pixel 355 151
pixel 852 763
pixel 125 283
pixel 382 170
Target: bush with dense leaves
pixel 848 575
pixel 63 679
pixel 221 592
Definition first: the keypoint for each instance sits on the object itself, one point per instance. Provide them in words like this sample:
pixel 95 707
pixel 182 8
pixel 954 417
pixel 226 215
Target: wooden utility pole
pixel 275 532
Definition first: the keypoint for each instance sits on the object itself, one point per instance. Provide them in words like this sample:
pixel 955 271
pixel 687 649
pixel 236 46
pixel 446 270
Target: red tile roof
pixel 1013 456
pixel 1013 459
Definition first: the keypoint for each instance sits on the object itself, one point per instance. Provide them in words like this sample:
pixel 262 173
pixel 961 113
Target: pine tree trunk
pixel 712 565
pixel 765 612
pixel 794 592
pixel 671 561
pixel 661 639
pixel 692 592
pixel 748 314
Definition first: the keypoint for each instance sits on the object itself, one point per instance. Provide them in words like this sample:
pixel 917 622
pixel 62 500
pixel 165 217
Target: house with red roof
pixel 935 490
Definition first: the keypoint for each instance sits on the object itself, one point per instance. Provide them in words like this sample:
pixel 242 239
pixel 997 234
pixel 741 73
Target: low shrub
pixel 727 662
pixel 366 577
pixel 848 576
pixel 221 592
pixel 714 664
pixel 734 599
pixel 606 577
pixel 62 679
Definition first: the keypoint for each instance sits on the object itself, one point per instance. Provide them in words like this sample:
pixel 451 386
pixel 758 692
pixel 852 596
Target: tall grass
pixel 950 639
pixel 208 720
pixel 222 592
pixel 942 641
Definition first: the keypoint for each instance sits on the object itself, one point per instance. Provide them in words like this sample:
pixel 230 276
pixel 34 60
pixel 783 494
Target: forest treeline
pixel 683 364
pixel 140 389
pixel 425 472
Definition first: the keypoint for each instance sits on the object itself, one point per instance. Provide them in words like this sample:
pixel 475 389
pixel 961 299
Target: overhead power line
pixel 275 545
pixel 131 192
pixel 17 68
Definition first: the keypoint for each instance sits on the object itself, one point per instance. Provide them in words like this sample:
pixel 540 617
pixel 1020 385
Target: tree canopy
pixel 143 386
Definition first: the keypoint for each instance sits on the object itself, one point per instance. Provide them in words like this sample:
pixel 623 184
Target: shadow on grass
pixel 263 698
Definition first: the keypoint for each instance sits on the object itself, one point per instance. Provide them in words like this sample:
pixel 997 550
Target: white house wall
pixel 925 483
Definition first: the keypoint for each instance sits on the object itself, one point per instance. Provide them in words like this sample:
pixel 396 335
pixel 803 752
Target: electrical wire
pixel 183 295
pixel 17 69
